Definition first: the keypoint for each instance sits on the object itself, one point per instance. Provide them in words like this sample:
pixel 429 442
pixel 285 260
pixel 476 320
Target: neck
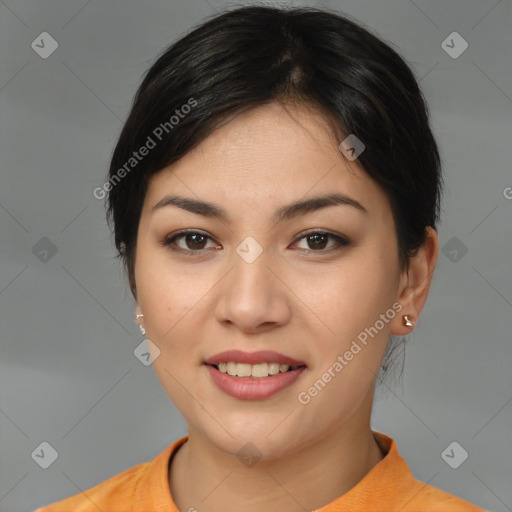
pixel 205 478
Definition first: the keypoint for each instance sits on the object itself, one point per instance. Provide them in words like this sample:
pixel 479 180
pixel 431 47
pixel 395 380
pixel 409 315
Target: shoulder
pixel 390 486
pixel 427 498
pixel 116 491
pixel 139 488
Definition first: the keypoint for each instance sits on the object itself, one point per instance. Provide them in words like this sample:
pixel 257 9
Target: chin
pixel 263 441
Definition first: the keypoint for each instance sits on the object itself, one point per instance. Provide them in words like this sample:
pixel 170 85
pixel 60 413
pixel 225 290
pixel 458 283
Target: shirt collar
pixel 153 489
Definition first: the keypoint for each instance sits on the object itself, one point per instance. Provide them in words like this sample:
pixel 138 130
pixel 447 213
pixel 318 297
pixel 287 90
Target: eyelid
pixel 321 231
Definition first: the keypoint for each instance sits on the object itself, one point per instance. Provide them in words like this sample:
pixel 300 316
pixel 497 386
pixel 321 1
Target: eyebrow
pixel 286 212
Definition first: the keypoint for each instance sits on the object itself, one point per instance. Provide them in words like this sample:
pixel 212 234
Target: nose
pixel 254 296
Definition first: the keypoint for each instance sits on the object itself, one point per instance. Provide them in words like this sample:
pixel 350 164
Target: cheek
pixel 165 291
pixel 348 299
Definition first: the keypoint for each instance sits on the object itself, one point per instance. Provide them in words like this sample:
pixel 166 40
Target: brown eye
pixel 317 240
pixel 191 241
pixel 195 241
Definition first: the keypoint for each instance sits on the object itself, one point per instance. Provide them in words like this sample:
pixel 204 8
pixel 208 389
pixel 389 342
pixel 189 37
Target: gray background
pixel 68 374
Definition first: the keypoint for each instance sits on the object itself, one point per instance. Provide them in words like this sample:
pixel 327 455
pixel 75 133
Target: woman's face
pixel 253 281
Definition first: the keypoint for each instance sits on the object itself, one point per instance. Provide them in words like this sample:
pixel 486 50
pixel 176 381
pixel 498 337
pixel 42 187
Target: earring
pixel 407 322
pixel 142 330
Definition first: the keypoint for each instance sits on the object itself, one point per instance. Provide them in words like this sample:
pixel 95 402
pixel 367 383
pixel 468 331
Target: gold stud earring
pixel 142 330
pixel 407 322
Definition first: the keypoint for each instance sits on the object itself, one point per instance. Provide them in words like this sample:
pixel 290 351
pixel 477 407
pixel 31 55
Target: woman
pixel 274 195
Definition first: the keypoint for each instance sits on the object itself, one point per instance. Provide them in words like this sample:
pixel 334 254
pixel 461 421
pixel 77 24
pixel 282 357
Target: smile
pixel 253 388
pixel 259 371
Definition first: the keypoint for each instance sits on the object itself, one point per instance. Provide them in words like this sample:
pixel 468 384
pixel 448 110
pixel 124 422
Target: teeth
pixel 253 370
pixel 259 370
pixel 273 368
pixel 243 370
pixel 231 368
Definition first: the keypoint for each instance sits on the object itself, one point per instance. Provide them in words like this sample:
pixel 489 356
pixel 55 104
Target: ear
pixel 415 283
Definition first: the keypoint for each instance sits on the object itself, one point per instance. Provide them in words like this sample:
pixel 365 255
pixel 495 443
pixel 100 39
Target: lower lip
pixel 254 388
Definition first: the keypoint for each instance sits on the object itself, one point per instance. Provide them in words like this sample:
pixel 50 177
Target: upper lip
pixel 261 356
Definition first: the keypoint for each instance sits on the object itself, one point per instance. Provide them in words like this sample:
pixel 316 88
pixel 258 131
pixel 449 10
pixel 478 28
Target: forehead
pixel 269 153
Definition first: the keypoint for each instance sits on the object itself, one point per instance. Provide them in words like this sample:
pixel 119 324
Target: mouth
pixel 253 376
pixel 260 364
pixel 254 371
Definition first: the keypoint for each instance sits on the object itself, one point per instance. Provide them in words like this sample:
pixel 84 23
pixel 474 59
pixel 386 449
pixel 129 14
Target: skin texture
pixel 307 305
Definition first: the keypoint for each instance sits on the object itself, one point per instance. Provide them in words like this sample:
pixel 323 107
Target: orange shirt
pixel 389 486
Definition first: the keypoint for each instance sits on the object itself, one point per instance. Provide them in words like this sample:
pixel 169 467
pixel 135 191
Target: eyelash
pixel 169 241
